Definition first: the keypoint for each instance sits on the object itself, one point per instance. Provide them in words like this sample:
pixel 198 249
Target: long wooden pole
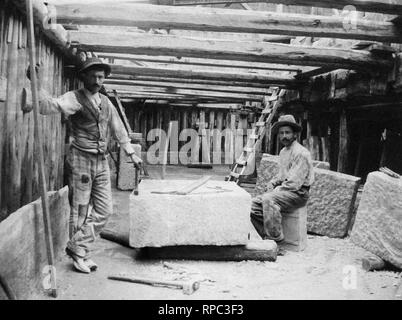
pixel 39 150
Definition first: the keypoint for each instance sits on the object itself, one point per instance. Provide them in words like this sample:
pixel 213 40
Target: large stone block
pixel 332 197
pixel 204 217
pixel 378 224
pixel 126 174
pixel 330 208
pixel 23 246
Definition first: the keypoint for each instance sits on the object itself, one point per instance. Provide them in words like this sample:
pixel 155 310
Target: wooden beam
pixel 174 97
pixel 184 92
pixel 181 85
pixel 378 6
pixel 205 75
pixel 168 80
pixel 205 62
pixel 229 50
pixel 313 73
pixel 227 20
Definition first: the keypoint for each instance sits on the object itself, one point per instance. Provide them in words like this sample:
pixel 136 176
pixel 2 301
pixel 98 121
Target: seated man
pixel 289 190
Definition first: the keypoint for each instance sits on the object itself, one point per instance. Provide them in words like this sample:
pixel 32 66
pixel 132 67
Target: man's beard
pixel 287 141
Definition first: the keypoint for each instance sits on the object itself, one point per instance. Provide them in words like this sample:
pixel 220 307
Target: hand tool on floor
pixel 187 189
pixel 188 287
pixel 390 172
pixel 38 137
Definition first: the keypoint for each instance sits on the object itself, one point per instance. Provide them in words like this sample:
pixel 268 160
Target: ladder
pixel 272 103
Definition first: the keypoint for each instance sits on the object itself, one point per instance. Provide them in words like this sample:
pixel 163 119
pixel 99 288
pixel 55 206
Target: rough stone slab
pixel 203 217
pixel 23 247
pixel 378 224
pixel 330 208
pixel 126 174
pixel 332 197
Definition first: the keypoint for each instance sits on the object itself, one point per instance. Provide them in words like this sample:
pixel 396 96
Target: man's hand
pixel 136 160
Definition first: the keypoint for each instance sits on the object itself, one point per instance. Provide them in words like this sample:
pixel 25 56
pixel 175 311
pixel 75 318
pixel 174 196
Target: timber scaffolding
pixel 210 66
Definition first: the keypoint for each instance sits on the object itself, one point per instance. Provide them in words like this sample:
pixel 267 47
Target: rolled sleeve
pixel 66 103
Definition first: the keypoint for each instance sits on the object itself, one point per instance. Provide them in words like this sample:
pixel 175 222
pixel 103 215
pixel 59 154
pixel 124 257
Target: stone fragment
pixel 206 216
pixel 378 224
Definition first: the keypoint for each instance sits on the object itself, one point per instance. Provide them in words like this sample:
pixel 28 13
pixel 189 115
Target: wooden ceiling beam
pixel 181 85
pixel 378 6
pixel 226 20
pixel 204 75
pixel 185 92
pixel 229 50
pixel 204 62
pixel 190 81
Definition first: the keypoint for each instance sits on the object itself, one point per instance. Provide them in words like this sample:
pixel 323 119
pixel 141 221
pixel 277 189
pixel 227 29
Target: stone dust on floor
pixel 328 269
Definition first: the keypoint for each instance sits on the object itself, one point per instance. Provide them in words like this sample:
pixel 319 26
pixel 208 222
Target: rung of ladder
pixel 248 149
pixel 266 111
pixel 272 98
pixel 253 136
pixel 241 162
pixel 235 175
pixel 260 124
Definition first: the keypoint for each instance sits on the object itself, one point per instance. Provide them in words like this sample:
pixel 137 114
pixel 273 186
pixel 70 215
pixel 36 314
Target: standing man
pixel 93 119
pixel 289 190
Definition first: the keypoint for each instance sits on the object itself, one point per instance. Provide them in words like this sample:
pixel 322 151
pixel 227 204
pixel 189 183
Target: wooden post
pixel 165 151
pixel 38 137
pixel 360 150
pixel 343 143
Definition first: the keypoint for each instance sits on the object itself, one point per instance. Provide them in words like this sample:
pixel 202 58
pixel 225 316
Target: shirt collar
pixel 90 94
pixel 292 145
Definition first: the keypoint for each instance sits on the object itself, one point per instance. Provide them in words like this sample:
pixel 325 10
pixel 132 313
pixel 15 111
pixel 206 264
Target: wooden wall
pixel 144 117
pixel 19 171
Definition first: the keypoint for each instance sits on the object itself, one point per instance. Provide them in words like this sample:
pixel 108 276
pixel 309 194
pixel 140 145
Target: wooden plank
pixel 204 75
pixel 313 73
pixel 228 50
pixel 191 86
pixel 12 174
pixel 343 143
pixel 378 6
pixel 188 81
pixel 226 20
pixel 185 92
pixel 203 62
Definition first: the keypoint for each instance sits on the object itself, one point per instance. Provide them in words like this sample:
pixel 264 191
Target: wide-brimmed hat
pixel 286 120
pixel 91 62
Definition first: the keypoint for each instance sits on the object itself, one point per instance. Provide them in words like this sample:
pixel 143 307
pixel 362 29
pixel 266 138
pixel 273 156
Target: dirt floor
pixel 327 269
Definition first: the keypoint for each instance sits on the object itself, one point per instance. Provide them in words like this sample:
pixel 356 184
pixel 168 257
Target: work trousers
pixel 89 186
pixel 268 208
